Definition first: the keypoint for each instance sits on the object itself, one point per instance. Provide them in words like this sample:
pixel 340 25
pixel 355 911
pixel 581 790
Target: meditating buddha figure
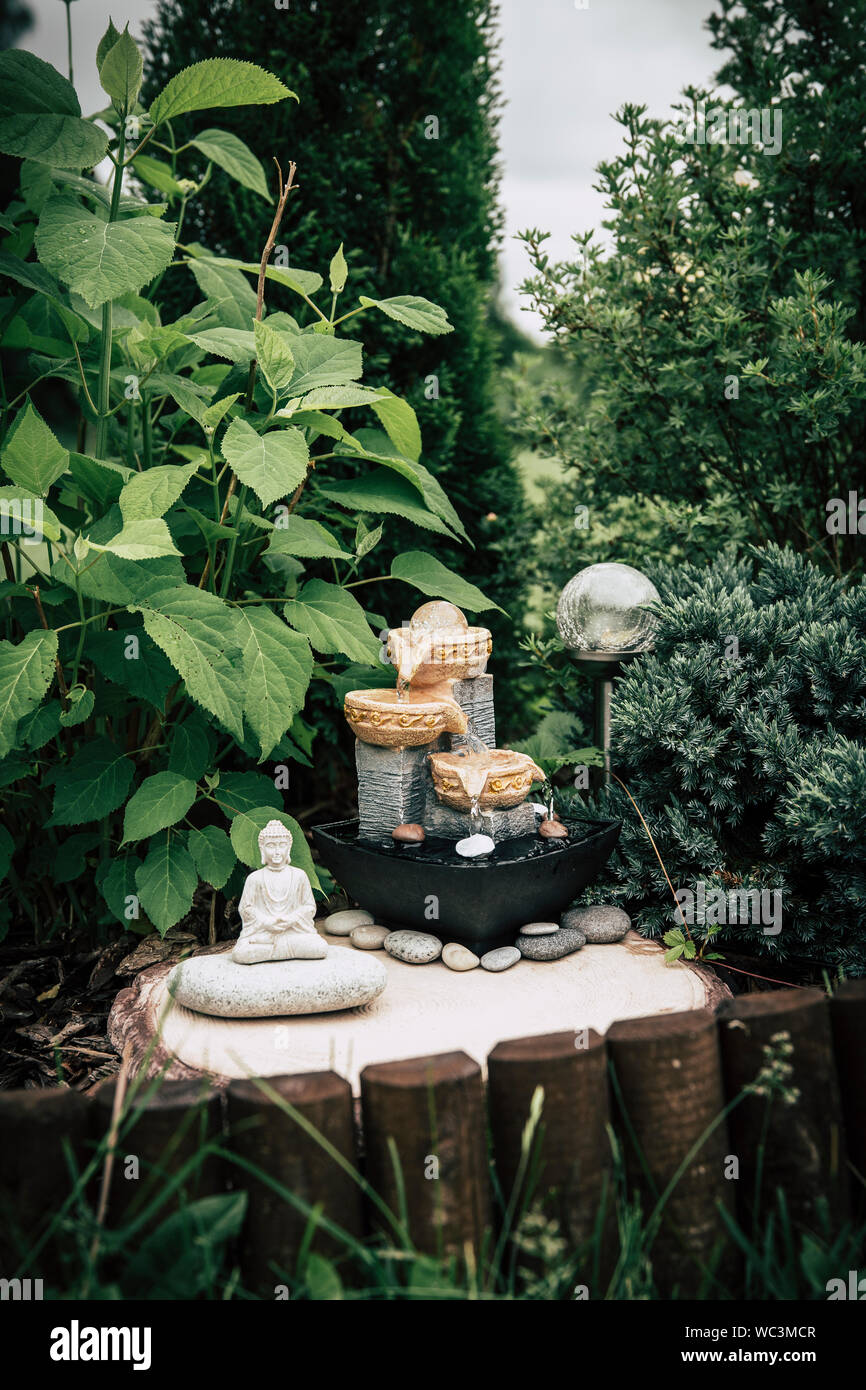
pixel 277 907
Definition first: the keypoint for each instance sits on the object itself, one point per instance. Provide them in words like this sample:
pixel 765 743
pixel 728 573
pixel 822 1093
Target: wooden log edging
pixel 661 1083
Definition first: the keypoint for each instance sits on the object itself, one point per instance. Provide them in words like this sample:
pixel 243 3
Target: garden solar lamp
pixel 602 621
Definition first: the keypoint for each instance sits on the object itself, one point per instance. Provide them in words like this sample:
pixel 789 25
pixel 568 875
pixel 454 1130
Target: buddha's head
pixel 275 844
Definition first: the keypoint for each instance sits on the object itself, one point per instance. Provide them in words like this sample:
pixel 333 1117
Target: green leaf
pixel 236 344
pixel 382 491
pixel 189 753
pixel 375 445
pixel 150 493
pixel 214 413
pixel 323 1282
pixel 144 539
pixel 40 118
pixel 40 726
pixel 70 860
pixel 274 355
pixel 217 82
pixel 212 854
pixel 32 456
pixel 309 539
pixel 234 301
pixel 321 362
pixel 29 84
pixel 413 311
pixel 338 271
pixel 101 260
pixel 26 671
pixel 99 480
pixel 301 281
pixel 118 885
pixel 161 801
pixel 158 174
pixel 92 784
pixel 106 43
pixel 120 71
pixel 248 825
pixel 7 849
pixel 24 514
pixel 429 575
pixel 335 397
pixel 166 882
pixel 242 791
pixel 132 660
pixel 333 621
pixel 400 423
pixel 278 665
pixel 81 702
pixel 272 464
pixel 199 634
pixel 235 157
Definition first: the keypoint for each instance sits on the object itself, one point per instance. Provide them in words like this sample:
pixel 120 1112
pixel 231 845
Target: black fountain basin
pixel 476 901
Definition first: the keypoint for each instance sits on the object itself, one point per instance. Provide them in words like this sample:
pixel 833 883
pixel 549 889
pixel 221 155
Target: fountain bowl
pixel 381 717
pixel 480 902
pixel 428 658
pixel 499 778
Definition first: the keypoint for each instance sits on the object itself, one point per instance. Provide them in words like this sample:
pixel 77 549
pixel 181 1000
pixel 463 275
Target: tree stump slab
pixel 424 1010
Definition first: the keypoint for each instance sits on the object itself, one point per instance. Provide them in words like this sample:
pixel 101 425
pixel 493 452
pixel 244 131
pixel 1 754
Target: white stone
pixel 221 987
pixel 539 808
pixel 474 845
pixel 413 947
pixel 343 923
pixel 539 929
pixel 458 957
pixel 502 958
pixel 368 938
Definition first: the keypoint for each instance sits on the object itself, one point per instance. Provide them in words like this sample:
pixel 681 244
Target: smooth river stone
pixel 219 986
pixel 500 959
pixel 554 947
pixel 368 938
pixel 408 834
pixel 600 924
pixel 539 929
pixel 552 830
pixel 413 947
pixel 474 845
pixel 343 923
pixel 458 957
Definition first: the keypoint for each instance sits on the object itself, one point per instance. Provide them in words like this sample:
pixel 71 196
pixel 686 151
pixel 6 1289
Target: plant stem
pixel 105 359
pixel 68 4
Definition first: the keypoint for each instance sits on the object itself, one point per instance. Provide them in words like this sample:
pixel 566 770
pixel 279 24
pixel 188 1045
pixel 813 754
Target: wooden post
pixel 164 1127
pixel 35 1178
pixel 430 1111
pixel 667 1094
pixel 572 1169
pixel 789 1136
pixel 848 1021
pixel 274 1141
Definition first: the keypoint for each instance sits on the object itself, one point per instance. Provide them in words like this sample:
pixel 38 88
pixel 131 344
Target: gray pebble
pixel 600 924
pixel 343 923
pixel 413 947
pixel 500 959
pixel 563 943
pixel 539 929
pixel 368 938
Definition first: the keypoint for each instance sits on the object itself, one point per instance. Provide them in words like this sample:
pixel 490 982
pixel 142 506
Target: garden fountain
pixel 446 838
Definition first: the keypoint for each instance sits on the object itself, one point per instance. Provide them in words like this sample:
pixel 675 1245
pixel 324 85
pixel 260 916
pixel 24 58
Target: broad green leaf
pixel 190 752
pixel 414 312
pixel 92 784
pixel 101 260
pixel 36 277
pixel 272 464
pixel 333 620
pixel 212 854
pixel 336 397
pixel 429 575
pixel 7 849
pixel 166 882
pixel 26 670
pixel 99 480
pixel 199 634
pixel 81 702
pixel 301 281
pixel 248 825
pixel 338 271
pixel 161 801
pixel 25 515
pixel 118 885
pixel 242 791
pixel 400 423
pixel 217 82
pixel 235 157
pixel 377 446
pixel 325 362
pixel 319 423
pixel 236 344
pixel 120 71
pixel 106 43
pixel 151 493
pixel 32 456
pixel 308 539
pixel 383 491
pixel 214 413
pixel 40 726
pixel 157 173
pixel 191 398
pixel 234 301
pixel 132 660
pixel 27 83
pixel 274 356
pixel 70 860
pixel 40 118
pixel 278 665
pixel 144 539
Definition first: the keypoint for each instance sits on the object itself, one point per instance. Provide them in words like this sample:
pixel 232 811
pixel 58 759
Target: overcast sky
pixel 565 70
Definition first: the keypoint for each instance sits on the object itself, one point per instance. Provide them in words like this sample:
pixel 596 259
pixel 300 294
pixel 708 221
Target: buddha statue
pixel 277 907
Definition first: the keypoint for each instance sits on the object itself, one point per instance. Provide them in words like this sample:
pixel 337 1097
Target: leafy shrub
pixel 193 559
pixel 742 738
